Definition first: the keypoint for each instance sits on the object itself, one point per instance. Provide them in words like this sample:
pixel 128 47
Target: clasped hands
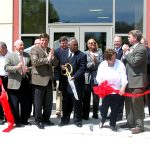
pixel 125 49
pixel 20 65
pixel 51 54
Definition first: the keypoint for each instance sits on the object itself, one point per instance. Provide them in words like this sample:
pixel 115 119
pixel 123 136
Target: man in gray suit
pixel 17 65
pixel 135 59
pixel 42 59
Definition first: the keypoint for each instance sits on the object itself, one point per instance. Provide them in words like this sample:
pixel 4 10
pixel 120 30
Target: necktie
pixel 70 56
pixel 23 66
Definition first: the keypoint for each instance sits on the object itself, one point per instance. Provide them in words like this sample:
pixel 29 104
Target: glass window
pixel 129 15
pixel 58 35
pixel 80 11
pixel 33 16
pixel 100 38
pixel 28 41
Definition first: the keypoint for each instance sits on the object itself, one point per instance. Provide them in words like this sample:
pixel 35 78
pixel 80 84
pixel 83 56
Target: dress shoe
pixel 49 123
pixel 95 116
pixel 85 117
pixel 126 126
pixel 119 118
pixel 61 124
pixel 40 125
pixel 2 122
pixel 78 124
pixel 113 128
pixel 136 130
pixel 26 123
pixel 18 125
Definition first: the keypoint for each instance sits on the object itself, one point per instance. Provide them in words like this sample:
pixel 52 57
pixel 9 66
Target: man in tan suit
pixel 135 59
pixel 42 59
pixel 17 65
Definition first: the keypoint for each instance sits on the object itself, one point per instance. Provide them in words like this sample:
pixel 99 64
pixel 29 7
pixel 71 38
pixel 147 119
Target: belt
pixel 3 77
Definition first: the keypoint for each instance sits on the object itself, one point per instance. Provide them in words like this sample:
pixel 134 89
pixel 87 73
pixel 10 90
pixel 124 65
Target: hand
pixel 94 59
pixel 51 54
pixel 63 67
pixel 26 69
pixel 125 48
pixel 19 66
pixel 122 91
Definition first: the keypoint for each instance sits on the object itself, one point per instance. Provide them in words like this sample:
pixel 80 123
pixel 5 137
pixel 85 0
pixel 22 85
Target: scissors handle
pixel 68 72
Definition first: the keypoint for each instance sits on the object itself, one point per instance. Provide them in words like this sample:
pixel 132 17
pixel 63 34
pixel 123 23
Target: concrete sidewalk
pixel 70 137
pixel 90 136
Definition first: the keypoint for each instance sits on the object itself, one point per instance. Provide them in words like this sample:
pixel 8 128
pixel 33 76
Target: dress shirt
pixel 70 54
pixel 2 63
pixel 117 49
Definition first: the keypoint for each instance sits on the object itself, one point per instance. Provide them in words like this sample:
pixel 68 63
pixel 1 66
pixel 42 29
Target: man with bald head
pixel 36 43
pixel 17 65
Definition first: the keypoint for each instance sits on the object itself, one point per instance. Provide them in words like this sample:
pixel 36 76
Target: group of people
pixel 30 81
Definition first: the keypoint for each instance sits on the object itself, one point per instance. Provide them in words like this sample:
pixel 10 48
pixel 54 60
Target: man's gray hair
pixel 3 45
pixel 18 42
pixel 72 39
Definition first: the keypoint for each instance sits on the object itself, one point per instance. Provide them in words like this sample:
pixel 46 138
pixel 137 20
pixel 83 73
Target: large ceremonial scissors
pixel 68 71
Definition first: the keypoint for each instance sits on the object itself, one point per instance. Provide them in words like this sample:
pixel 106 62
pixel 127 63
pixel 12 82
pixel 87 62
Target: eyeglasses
pixel 75 44
pixel 92 43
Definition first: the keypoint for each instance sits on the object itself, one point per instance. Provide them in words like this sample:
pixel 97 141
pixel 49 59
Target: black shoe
pixel 40 125
pixel 126 126
pixel 95 116
pixel 119 118
pixel 26 123
pixel 61 124
pixel 49 123
pixel 79 124
pixel 113 128
pixel 85 117
pixel 18 125
pixel 2 122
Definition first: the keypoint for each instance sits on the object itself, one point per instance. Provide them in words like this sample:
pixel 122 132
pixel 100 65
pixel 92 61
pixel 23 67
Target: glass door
pixel 56 32
pixel 102 34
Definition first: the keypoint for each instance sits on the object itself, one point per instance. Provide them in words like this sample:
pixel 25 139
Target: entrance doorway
pixel 102 34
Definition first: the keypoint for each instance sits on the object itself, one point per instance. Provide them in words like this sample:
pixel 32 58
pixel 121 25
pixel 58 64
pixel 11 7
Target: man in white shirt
pixel 3 74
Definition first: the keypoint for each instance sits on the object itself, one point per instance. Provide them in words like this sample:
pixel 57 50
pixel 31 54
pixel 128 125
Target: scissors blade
pixel 72 85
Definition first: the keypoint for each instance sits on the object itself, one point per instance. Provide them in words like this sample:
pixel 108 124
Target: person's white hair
pixel 17 42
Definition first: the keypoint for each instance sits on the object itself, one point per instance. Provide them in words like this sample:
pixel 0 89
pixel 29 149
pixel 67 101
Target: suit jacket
pixel 14 75
pixel 136 66
pixel 42 70
pixel 57 69
pixel 91 70
pixel 78 62
pixel 119 54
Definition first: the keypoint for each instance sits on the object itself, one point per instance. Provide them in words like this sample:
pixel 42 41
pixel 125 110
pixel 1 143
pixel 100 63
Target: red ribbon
pixel 105 89
pixel 6 108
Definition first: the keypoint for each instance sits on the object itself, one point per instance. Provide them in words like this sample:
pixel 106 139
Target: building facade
pixel 99 19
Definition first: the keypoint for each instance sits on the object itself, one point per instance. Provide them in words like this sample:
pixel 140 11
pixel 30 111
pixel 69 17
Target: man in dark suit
pixel 42 59
pixel 17 65
pixel 78 61
pixel 135 59
pixel 63 46
pixel 118 48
